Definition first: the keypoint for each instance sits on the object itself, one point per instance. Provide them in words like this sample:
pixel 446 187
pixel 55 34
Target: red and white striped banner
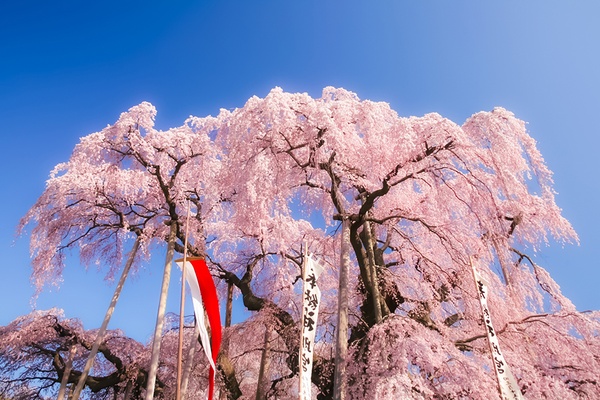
pixel 204 298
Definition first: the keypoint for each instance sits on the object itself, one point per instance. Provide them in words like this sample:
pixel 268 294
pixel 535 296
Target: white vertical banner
pixel 311 296
pixel 509 388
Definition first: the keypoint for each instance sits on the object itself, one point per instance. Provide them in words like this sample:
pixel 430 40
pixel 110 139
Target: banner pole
pixel 178 394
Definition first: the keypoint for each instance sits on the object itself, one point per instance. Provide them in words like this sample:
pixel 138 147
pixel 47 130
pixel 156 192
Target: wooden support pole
pixel 160 317
pixel 107 316
pixel 341 347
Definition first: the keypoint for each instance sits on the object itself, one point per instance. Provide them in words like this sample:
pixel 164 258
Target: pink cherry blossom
pixel 424 196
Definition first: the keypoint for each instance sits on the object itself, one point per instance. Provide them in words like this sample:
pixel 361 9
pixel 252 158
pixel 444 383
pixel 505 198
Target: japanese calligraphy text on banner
pixel 311 296
pixel 509 387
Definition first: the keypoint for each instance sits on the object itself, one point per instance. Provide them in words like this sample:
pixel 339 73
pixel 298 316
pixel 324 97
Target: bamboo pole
pixel 107 316
pixel 189 363
pixel 160 316
pixel 66 373
pixel 182 307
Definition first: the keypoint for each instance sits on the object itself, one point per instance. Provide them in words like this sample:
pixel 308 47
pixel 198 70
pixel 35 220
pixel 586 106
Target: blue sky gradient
pixel 69 68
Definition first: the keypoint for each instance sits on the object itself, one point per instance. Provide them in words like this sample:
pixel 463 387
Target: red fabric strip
pixel 211 304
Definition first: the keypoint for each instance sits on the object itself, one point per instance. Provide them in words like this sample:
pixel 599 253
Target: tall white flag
pixel 310 312
pixel 509 388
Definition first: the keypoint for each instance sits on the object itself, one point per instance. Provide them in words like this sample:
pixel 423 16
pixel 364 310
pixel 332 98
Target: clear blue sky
pixel 68 68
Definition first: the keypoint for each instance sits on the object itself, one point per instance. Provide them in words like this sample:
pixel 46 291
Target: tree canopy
pixel 423 197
